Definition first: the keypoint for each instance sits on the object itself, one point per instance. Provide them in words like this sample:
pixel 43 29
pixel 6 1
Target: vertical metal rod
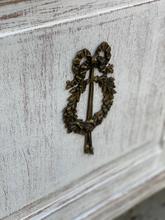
pixel 88 148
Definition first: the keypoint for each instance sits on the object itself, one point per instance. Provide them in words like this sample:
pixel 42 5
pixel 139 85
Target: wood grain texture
pixel 160 68
pixel 37 156
pixel 106 192
pixel 37 13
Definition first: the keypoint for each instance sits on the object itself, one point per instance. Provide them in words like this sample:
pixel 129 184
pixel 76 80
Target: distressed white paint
pixel 16 15
pixel 37 156
pixel 106 192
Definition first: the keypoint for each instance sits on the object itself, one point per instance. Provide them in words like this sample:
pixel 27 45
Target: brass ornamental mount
pixel 82 63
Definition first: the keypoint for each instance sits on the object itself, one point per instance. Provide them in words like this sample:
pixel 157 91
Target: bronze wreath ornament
pixel 82 63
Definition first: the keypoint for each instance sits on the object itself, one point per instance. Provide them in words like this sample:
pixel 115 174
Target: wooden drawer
pixel 42 165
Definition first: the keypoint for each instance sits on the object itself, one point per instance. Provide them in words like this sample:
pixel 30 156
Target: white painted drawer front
pixel 37 156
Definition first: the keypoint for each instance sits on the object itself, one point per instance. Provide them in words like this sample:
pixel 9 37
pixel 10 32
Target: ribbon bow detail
pixel 83 63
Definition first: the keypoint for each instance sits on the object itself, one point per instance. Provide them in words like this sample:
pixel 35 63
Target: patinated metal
pixel 83 63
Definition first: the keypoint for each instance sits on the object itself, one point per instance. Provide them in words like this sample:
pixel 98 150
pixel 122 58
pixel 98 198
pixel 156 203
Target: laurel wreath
pixel 82 63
